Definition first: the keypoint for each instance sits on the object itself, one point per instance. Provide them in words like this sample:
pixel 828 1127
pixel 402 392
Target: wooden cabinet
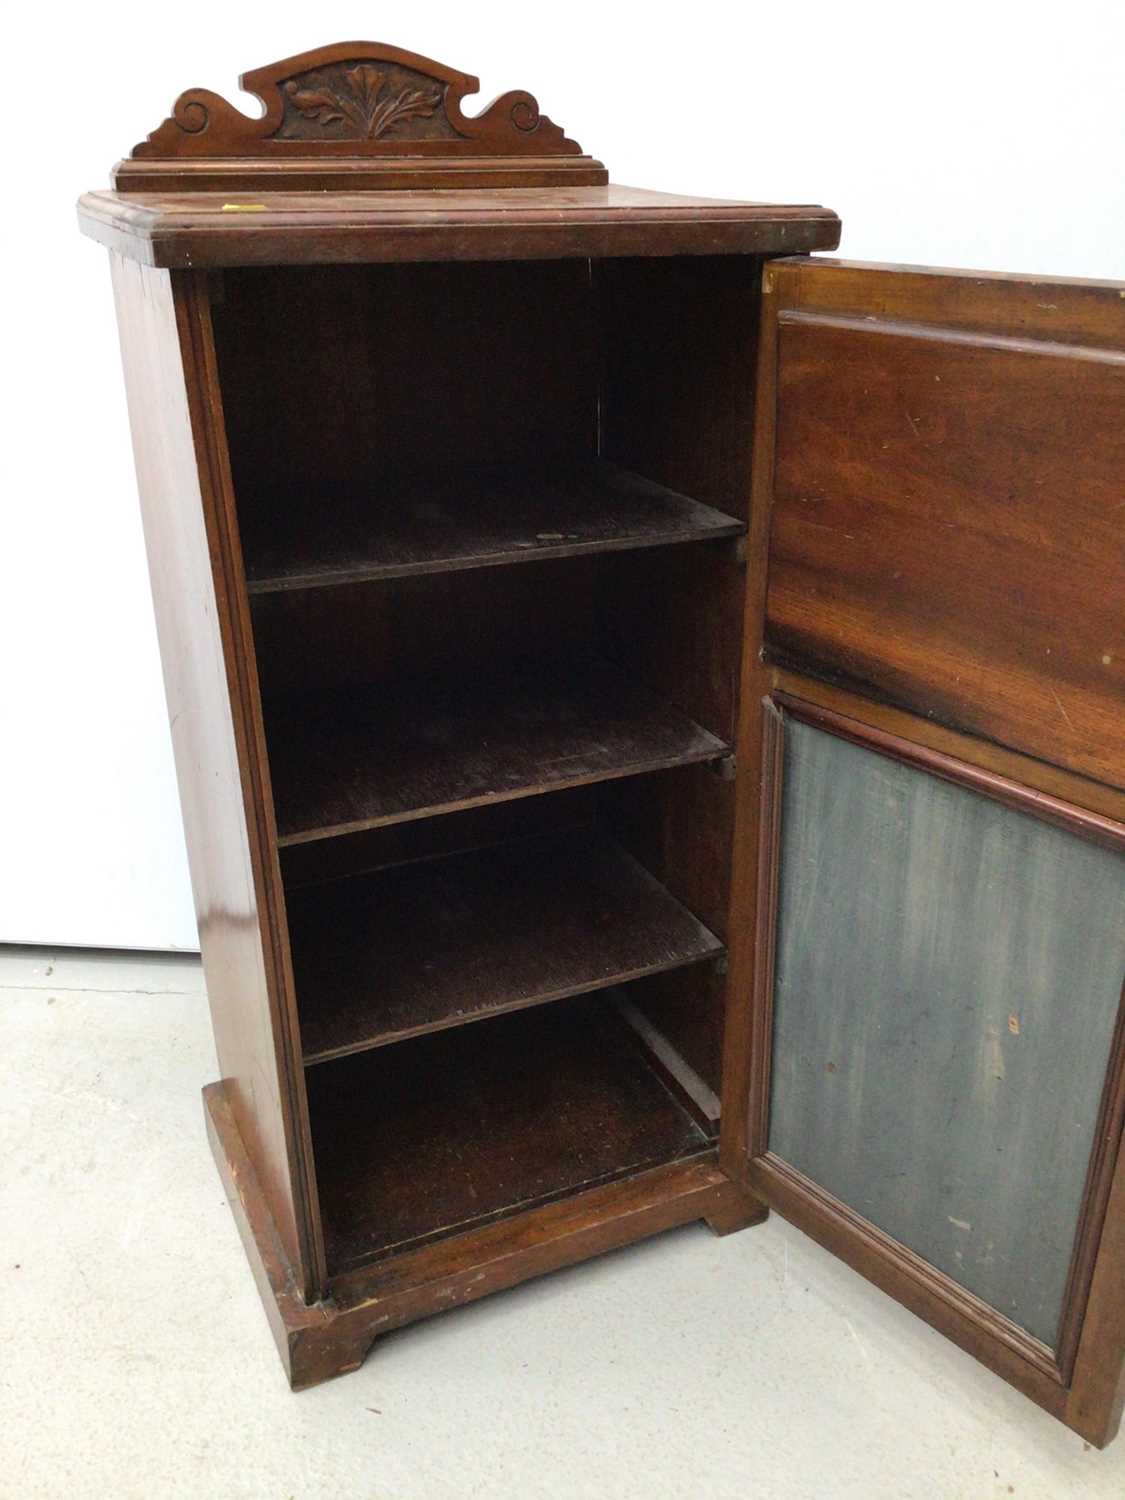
pixel 648 712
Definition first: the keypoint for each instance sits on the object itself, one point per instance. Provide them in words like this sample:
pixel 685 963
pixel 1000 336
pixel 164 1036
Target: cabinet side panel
pixel 193 619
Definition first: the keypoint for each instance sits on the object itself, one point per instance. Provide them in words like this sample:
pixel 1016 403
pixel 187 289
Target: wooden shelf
pixel 423 946
pixel 445 522
pixel 454 1130
pixel 360 758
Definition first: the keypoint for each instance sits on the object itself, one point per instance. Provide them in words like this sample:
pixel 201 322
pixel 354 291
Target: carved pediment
pixel 363 101
pixel 360 100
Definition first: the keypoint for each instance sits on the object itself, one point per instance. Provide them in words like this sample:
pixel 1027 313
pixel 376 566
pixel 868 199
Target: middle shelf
pixel 418 947
pixel 364 757
pixel 470 517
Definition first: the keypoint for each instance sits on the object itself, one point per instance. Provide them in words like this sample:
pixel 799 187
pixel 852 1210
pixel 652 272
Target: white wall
pixel 983 135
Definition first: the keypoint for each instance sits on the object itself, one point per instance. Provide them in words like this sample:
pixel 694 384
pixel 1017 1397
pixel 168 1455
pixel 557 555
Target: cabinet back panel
pixel 948 978
pixel 429 838
pixel 680 341
pixel 340 376
pixel 403 627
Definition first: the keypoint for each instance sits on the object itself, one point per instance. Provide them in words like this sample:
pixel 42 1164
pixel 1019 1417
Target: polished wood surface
pixel 439 942
pixel 277 228
pixel 579 673
pixel 946 516
pixel 1066 310
pixel 395 751
pixel 210 691
pixel 355 114
pixel 448 1131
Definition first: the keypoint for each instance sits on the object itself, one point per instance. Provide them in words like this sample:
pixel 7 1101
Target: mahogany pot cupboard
pixel 647 705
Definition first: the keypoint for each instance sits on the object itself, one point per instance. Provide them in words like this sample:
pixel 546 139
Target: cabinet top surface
pixel 301 227
pixel 361 151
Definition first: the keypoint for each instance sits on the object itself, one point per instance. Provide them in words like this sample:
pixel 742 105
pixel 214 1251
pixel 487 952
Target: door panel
pixel 947 527
pixel 945 1074
pixel 937 1068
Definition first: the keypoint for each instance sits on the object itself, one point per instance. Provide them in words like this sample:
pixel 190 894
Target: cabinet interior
pixel 492 519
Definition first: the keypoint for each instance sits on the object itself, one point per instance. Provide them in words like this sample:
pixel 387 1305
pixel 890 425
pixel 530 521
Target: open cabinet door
pixel 933 838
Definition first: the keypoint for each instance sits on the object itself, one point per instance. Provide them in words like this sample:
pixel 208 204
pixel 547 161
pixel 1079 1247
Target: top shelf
pixel 448 522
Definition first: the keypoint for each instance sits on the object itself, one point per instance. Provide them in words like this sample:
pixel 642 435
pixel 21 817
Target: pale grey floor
pixel 135 1358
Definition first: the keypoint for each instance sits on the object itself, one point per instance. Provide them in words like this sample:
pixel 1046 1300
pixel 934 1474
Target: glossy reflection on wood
pixel 294 228
pixel 947 522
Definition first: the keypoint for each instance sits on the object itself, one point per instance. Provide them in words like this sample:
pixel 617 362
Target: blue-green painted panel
pixel 948 977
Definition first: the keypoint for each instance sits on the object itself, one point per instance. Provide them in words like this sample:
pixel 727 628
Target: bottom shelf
pixel 445 1132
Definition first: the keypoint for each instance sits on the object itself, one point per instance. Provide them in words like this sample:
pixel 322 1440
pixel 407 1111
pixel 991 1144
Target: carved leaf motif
pixel 316 104
pixel 409 104
pixel 366 81
pixel 360 104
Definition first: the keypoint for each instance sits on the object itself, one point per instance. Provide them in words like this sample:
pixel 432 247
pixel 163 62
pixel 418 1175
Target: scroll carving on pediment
pixel 358 99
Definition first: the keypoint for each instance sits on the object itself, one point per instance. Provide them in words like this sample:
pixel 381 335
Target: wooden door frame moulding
pixel 191 291
pixel 930 1294
pixel 1086 1348
pixel 1019 766
pixel 834 1219
pixel 1015 794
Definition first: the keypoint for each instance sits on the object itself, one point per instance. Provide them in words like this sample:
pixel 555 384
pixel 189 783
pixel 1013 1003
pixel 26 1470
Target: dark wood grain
pixel 436 1135
pixel 1096 1401
pixel 1062 309
pixel 947 527
pixel 746 1035
pixel 395 751
pixel 466 519
pixel 318 371
pixel 186 506
pixel 427 627
pixel 440 942
pixel 319 860
pixel 677 393
pixel 948 601
pixel 275 228
pixel 346 380
pixel 329 1338
pixel 359 115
